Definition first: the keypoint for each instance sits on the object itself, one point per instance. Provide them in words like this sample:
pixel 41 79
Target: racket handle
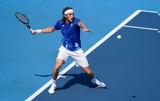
pixel 32 31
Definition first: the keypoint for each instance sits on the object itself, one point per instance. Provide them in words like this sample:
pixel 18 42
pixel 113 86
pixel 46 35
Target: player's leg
pixel 88 71
pixel 57 66
pixel 82 61
pixel 55 72
pixel 94 79
pixel 61 58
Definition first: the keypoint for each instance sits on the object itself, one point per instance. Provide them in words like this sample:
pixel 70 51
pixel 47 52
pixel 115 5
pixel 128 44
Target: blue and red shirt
pixel 71 34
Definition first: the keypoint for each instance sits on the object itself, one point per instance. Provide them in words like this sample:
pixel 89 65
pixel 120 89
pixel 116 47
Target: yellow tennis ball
pixel 119 36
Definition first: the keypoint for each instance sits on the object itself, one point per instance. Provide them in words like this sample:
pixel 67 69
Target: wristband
pixel 39 31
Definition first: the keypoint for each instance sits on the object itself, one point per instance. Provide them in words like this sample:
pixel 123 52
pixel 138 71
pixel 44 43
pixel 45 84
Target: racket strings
pixel 22 18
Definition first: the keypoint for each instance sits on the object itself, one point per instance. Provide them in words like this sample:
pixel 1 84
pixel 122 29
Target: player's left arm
pixel 83 26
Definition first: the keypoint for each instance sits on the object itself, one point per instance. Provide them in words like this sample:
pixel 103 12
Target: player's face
pixel 70 16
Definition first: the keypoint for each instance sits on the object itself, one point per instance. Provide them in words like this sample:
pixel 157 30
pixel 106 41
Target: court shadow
pixel 81 79
pixel 40 75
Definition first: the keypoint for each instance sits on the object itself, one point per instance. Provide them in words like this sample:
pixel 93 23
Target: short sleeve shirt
pixel 71 34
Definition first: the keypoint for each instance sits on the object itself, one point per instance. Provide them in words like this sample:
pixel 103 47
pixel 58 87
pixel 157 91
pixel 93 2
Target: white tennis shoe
pixel 52 88
pixel 98 83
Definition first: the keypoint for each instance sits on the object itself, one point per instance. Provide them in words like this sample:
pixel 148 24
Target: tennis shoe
pixel 52 88
pixel 98 83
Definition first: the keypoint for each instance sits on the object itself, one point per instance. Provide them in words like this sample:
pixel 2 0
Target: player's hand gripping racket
pixel 22 18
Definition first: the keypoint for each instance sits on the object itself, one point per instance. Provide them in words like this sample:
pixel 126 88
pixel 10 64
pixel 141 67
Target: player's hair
pixel 65 9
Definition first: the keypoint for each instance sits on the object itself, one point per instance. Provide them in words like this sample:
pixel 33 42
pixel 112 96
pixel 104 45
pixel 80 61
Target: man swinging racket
pixel 71 45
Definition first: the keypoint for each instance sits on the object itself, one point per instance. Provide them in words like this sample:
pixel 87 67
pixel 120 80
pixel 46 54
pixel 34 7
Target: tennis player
pixel 71 45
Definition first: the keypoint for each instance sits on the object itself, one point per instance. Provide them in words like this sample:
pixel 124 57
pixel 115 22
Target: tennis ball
pixel 119 36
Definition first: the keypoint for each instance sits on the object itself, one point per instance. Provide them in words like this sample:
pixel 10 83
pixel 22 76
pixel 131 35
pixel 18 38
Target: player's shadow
pixel 40 75
pixel 82 79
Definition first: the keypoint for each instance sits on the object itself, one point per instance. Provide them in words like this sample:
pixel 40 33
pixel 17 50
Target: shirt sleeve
pixel 77 21
pixel 58 25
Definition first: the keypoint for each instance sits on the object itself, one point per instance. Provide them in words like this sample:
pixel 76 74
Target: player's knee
pixel 59 63
pixel 57 66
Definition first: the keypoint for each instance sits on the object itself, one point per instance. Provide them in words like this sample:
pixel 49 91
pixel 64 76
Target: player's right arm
pixel 57 26
pixel 44 30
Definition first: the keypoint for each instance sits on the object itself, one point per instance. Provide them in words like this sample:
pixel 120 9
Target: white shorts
pixel 78 56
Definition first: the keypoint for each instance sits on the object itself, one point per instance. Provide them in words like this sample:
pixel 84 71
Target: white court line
pixel 149 11
pixel 145 28
pixel 86 53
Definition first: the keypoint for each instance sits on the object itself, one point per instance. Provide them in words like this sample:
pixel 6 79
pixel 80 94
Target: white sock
pixel 95 80
pixel 53 81
pixel 52 87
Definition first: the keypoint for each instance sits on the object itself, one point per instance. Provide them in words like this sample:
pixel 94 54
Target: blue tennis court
pixel 129 66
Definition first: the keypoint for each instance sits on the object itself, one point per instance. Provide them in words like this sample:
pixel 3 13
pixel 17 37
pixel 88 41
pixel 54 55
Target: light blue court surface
pixel 129 66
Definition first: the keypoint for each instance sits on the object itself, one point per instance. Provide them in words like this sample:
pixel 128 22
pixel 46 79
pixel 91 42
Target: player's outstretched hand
pixel 36 31
pixel 33 31
pixel 87 30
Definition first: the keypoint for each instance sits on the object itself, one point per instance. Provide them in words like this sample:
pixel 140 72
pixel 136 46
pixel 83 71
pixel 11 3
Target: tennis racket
pixel 23 19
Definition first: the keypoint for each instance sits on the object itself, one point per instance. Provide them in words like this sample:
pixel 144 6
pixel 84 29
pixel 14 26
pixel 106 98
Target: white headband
pixel 68 11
